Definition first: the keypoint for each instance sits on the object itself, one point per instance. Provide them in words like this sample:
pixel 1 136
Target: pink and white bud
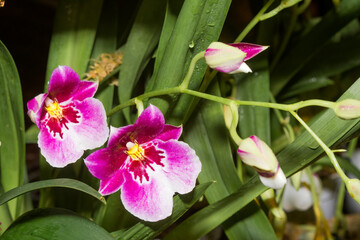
pixel 229 58
pixel 347 109
pixel 258 155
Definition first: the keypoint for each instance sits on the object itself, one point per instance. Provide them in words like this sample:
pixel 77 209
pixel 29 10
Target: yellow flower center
pixel 54 109
pixel 135 151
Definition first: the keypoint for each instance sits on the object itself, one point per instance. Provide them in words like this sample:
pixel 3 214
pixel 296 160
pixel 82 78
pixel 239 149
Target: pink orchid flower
pixel 69 119
pixel 230 58
pixel 148 163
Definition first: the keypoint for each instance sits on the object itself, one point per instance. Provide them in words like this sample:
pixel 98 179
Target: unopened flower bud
pixel 353 187
pixel 347 109
pixel 258 155
pixel 229 58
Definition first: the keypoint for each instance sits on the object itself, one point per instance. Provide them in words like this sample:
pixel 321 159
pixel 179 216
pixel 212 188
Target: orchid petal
pixel 112 184
pixel 63 83
pixel 276 182
pixel 170 132
pixel 104 163
pixel 120 136
pixel 242 68
pixel 35 107
pixel 250 49
pixel 92 131
pixel 150 201
pixel 86 89
pixel 183 165
pixel 149 124
pixel 58 153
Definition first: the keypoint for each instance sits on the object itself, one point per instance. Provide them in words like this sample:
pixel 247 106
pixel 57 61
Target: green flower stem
pixel 139 106
pixel 204 85
pixel 288 130
pixel 233 133
pixel 193 62
pixel 313 102
pixel 179 89
pixel 143 97
pixel 300 9
pixel 253 22
pixel 327 150
pixel 339 219
pixel 312 187
pixel 352 147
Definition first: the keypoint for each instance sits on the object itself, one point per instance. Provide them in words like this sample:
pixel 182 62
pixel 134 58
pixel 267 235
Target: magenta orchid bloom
pixel 230 58
pixel 69 119
pixel 148 163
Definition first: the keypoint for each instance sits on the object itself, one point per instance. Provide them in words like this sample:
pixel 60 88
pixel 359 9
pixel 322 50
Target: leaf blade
pixel 60 182
pixel 12 128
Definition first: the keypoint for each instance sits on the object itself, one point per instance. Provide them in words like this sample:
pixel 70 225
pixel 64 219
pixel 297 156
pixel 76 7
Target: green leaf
pixel 146 230
pixel 345 164
pixel 335 58
pixel 172 11
pixel 207 134
pixel 74 34
pixel 303 151
pixel 60 182
pixel 282 5
pixel 208 30
pixel 199 23
pixel 105 42
pixel 54 224
pixel 173 61
pixel 12 129
pixel 306 85
pixel 143 38
pixel 311 43
pixel 31 134
pixel 114 216
pixel 254 87
pixel 210 217
pixel 6 218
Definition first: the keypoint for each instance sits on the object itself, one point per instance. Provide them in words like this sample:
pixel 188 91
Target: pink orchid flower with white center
pixel 258 155
pixel 148 163
pixel 230 58
pixel 70 120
